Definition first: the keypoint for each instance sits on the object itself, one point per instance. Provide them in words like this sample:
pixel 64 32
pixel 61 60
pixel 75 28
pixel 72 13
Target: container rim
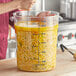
pixel 23 11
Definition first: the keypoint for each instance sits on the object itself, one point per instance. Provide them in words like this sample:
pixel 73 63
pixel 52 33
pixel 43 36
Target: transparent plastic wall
pixel 36 40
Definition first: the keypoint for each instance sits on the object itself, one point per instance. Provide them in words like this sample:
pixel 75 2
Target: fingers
pixel 30 3
pixel 33 1
pixel 27 4
pixel 43 14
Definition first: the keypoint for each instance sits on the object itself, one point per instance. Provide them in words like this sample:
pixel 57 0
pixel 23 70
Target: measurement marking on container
pixel 43 51
pixel 40 34
pixel 35 58
pixel 43 25
pixel 43 42
pixel 39 64
pixel 35 34
pixel 38 44
pixel 43 33
pixel 35 46
pixel 38 49
pixel 36 66
pixel 44 61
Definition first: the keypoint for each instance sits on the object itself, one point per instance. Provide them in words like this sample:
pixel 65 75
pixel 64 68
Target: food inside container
pixel 36 43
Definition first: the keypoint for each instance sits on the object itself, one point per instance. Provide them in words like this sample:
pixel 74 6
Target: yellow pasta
pixel 36 47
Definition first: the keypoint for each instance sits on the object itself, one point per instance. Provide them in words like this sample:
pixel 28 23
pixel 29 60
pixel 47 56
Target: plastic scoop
pixel 64 47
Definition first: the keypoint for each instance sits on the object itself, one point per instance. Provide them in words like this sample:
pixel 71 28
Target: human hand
pixel 25 4
pixel 41 16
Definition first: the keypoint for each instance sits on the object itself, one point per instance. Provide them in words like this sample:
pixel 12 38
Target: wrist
pixel 17 3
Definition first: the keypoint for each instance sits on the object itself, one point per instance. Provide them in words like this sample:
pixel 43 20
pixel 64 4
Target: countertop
pixel 66 66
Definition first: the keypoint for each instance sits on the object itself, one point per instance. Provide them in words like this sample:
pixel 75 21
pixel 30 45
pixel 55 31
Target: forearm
pixel 7 7
pixel 2 56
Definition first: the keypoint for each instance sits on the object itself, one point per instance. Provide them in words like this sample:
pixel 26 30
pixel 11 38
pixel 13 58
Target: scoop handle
pixel 64 47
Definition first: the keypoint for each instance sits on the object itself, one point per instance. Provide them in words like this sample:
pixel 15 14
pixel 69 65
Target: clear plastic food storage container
pixel 36 40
